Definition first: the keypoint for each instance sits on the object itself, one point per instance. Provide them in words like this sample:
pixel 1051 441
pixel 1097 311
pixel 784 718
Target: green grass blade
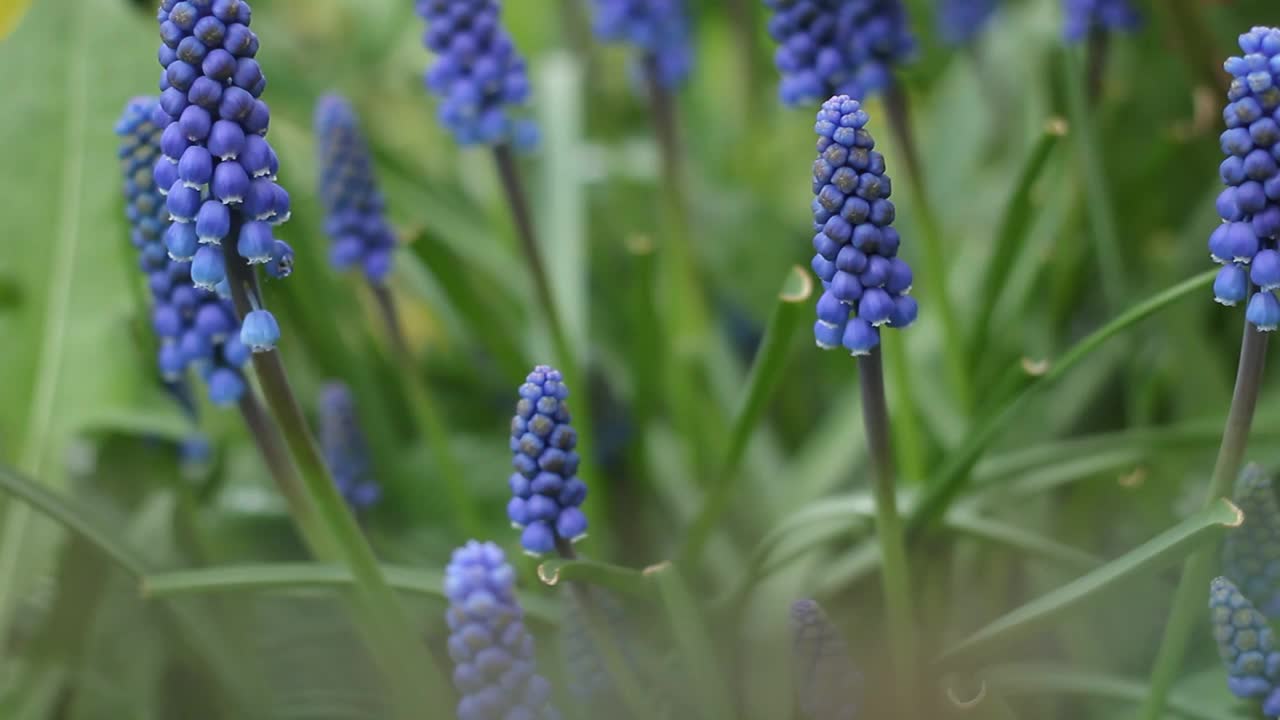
pixel 614 577
pixel 694 642
pixel 1020 539
pixel 1038 680
pixel 1165 549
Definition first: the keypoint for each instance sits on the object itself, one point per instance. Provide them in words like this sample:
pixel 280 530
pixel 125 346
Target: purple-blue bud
pixel 543 445
pixel 259 331
pixel 658 29
pixel 345 449
pixel 1080 17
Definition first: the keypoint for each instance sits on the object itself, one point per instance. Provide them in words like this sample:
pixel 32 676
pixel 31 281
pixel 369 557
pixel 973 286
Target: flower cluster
pixel 345 449
pixel 827 685
pixel 1245 243
pixel 960 21
pixel 865 282
pixel 1251 553
pixel 1080 17
pixel 216 169
pixel 355 211
pixel 493 653
pixel 197 330
pixel 546 492
pixel 837 47
pixel 477 72
pixel 657 28
pixel 1246 646
pixel 588 679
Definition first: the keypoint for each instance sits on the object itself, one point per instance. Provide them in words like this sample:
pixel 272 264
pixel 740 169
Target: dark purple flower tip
pixel 827 685
pixel 345 448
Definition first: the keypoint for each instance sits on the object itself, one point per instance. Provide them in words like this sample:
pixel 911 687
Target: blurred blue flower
pixel 827 685
pixel 588 681
pixel 345 449
pixel 545 489
pixel 865 283
pixel 659 29
pixel 1082 16
pixel 478 74
pixel 1245 242
pixel 355 216
pixel 1251 552
pixel 492 652
pixel 960 21
pixel 837 47
pixel 1246 646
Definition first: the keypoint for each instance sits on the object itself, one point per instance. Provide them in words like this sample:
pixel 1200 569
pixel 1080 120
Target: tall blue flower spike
pixel 837 47
pixel 1251 552
pixel 345 449
pixel 478 74
pixel 355 213
pixel 493 654
pixel 216 168
pixel 1245 242
pixel 865 283
pixel 1246 646
pixel 1080 17
pixel 827 685
pixel 960 21
pixel 194 328
pixel 545 490
pixel 587 678
pixel 659 29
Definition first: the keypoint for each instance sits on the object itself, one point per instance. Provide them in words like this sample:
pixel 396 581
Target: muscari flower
pixel 588 681
pixel 1251 553
pixel 546 492
pixel 345 449
pixel 827 685
pixel 960 21
pixel 197 329
pixel 355 216
pixel 1245 242
pixel 865 283
pixel 1080 17
pixel 659 29
pixel 493 653
pixel 837 47
pixel 477 74
pixel 1246 646
pixel 216 170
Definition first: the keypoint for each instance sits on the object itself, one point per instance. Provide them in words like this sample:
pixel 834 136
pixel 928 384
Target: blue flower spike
pixel 1081 17
pixel 1251 552
pixel 492 652
pixel 478 74
pixel 1245 244
pixel 827 685
pixel 546 493
pixel 658 29
pixel 345 448
pixel 835 47
pixel 865 282
pixel 585 669
pixel 960 21
pixel 355 215
pixel 1246 646
pixel 191 325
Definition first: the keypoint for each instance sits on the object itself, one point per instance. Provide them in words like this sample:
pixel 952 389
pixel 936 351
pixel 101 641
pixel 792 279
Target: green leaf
pixel 1038 679
pixel 614 577
pixel 1165 549
pixel 694 643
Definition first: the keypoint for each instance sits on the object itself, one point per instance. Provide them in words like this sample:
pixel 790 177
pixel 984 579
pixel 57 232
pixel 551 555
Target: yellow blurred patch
pixel 11 11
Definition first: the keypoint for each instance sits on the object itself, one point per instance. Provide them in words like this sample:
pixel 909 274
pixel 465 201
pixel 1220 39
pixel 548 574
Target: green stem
pixel 266 435
pixel 899 602
pixel 911 452
pixel 1188 601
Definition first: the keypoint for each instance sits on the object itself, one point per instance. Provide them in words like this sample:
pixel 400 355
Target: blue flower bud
pixel 281 264
pixel 1082 16
pixel 1231 286
pixel 1245 645
pixel 960 21
pixel 345 449
pixel 208 268
pixel 225 386
pixel 1263 311
pixel 543 445
pixel 658 29
pixel 827 685
pixel 255 244
pixel 259 331
pixel 181 241
pixel 1251 552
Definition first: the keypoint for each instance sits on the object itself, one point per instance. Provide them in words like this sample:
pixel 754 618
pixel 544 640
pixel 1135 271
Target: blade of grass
pixel 614 577
pixel 1038 680
pixel 694 643
pixel 1025 541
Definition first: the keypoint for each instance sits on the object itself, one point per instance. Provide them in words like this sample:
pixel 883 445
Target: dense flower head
pixel 345 448
pixel 1245 242
pixel 865 283
pixel 196 329
pixel 1251 552
pixel 478 74
pixel 659 29
pixel 837 47
pixel 216 169
pixel 960 21
pixel 546 493
pixel 492 652
pixel 1080 17
pixel 1246 646
pixel 827 685
pixel 585 669
pixel 355 215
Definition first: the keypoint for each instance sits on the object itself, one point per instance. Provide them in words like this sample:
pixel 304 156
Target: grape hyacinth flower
pixel 960 21
pixel 865 283
pixel 1080 17
pixel 659 29
pixel 478 74
pixel 196 330
pixel 216 170
pixel 587 677
pixel 493 653
pixel 1251 552
pixel 546 492
pixel 837 47
pixel 355 216
pixel 1245 242
pixel 827 685
pixel 1246 646
pixel 345 449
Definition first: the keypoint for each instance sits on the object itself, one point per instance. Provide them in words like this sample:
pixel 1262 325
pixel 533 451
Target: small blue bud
pixel 281 264
pixel 255 244
pixel 1231 286
pixel 208 268
pixel 860 337
pixel 213 222
pixel 1263 311
pixel 259 331
pixel 181 241
pixel 225 386
pixel 1265 270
